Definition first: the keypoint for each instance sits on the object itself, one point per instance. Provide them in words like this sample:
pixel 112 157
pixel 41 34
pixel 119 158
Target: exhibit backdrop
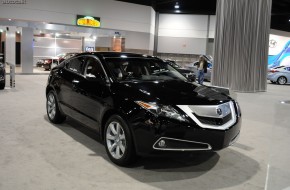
pixel 279 51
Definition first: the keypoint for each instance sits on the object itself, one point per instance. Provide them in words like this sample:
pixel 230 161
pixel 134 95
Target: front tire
pixel 282 80
pixel 119 141
pixel 52 109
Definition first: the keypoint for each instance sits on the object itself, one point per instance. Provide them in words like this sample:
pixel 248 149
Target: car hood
pixel 184 70
pixel 172 92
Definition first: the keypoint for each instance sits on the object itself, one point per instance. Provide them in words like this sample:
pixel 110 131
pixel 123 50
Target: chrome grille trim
pixel 225 126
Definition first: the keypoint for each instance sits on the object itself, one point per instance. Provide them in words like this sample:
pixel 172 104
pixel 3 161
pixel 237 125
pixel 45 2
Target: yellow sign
pixel 88 21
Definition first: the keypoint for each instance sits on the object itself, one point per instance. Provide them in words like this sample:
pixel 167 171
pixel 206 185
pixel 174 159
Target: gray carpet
pixel 35 154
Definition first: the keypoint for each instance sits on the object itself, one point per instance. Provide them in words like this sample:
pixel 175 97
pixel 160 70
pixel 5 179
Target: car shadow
pixel 203 170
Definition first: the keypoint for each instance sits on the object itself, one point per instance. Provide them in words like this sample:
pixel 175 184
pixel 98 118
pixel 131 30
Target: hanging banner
pixel 279 51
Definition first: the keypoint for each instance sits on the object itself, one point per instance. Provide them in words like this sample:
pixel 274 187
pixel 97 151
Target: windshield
pixel 144 69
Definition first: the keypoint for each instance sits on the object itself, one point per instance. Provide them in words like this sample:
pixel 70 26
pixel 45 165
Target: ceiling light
pixel 9 19
pixel 176 5
pixel 57 34
pixel 18 32
pixel 177 11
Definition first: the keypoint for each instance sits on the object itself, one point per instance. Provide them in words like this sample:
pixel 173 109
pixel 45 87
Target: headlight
pixel 238 109
pixel 162 110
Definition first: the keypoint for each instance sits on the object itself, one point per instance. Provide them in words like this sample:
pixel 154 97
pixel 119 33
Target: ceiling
pixel 279 19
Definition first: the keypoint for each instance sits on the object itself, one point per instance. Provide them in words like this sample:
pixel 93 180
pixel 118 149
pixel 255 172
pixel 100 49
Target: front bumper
pixel 179 137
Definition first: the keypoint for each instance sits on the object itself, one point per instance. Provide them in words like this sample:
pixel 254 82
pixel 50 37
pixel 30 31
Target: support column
pixel 10 57
pixel 10 45
pixel 155 48
pixel 241 44
pixel 27 50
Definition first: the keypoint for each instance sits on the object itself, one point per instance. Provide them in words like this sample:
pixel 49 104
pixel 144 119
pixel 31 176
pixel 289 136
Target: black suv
pixel 140 105
pixel 2 72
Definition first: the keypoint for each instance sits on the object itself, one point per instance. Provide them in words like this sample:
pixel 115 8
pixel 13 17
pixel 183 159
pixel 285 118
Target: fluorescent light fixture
pixel 177 11
pixel 176 5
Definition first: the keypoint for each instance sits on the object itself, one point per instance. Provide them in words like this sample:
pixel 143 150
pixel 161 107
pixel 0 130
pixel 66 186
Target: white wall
pixel 113 14
pixel 137 40
pixel 212 26
pixel 280 33
pixel 189 26
pixel 181 45
pixel 184 34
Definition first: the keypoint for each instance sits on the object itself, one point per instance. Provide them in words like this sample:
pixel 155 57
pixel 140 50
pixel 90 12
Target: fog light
pixel 162 143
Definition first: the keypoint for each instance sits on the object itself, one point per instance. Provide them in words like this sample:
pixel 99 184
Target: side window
pixel 94 69
pixel 287 68
pixel 75 65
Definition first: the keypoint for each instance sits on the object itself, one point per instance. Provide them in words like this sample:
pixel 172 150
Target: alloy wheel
pixel 282 80
pixel 116 140
pixel 51 106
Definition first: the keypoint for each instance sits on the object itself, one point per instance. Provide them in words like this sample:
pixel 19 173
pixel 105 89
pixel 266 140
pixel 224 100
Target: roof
pixel 117 54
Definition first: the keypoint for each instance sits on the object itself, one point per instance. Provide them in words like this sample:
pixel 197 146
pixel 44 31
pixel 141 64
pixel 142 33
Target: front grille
pixel 214 121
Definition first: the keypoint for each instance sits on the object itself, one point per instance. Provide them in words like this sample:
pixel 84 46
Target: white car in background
pixel 279 75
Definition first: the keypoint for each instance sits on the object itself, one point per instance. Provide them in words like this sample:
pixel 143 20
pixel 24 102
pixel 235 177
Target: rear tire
pixel 52 109
pixel 118 141
pixel 282 80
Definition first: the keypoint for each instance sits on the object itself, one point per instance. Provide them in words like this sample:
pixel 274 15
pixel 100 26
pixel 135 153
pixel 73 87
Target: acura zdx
pixel 140 105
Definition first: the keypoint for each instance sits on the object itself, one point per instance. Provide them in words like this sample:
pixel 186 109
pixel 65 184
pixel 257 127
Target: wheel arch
pixel 48 88
pixel 282 76
pixel 105 118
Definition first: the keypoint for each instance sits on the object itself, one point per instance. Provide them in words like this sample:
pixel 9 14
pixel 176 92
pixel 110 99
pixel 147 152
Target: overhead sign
pixel 88 21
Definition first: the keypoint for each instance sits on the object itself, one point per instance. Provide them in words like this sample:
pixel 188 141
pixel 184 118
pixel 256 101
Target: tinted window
pixel 75 65
pixel 287 68
pixel 142 69
pixel 94 68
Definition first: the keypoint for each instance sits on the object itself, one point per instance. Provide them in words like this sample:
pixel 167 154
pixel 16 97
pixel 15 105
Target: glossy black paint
pixel 92 101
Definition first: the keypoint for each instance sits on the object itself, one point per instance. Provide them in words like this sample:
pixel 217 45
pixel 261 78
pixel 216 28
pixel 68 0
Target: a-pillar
pixel 241 44
pixel 27 50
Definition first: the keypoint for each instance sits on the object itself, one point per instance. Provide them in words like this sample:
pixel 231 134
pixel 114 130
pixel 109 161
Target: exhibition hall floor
pixel 35 154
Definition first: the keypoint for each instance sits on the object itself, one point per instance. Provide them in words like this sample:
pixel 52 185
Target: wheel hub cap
pixel 51 108
pixel 115 139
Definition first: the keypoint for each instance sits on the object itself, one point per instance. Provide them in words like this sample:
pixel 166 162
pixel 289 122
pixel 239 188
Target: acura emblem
pixel 219 111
